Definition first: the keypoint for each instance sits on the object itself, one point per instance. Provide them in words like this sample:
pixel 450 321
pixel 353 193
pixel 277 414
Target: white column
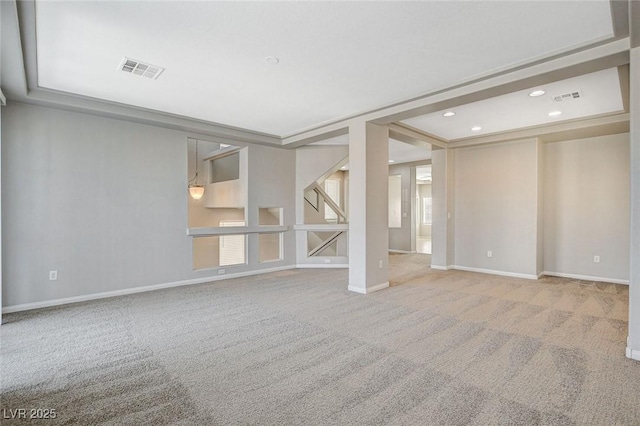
pixel 540 207
pixel 412 209
pixel 442 229
pixel 633 341
pixel 368 207
pixel 1 209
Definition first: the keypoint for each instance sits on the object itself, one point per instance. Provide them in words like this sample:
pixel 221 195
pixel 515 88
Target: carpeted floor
pixel 294 347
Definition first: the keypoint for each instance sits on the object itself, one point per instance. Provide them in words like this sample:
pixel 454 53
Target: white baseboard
pixel 322 265
pixel 368 289
pixel 440 268
pixel 123 292
pixel 402 251
pixel 586 278
pixel 495 272
pixel 633 353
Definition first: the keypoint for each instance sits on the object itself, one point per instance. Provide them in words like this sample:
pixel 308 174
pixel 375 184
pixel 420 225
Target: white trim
pixel 235 230
pixel 586 278
pixel 523 73
pixel 633 353
pixel 322 265
pixel 222 152
pixel 321 227
pixel 494 272
pixel 368 290
pixel 123 292
pixel 402 251
pixel 440 268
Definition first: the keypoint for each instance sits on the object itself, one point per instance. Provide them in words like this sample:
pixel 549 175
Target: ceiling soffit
pixel 206 126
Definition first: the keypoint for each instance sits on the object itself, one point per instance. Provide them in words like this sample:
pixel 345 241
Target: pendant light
pixel 196 190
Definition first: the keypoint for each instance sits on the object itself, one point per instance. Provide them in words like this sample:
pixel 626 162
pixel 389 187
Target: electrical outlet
pixel 53 275
pixel 489 253
pixel 327 261
pixel 596 259
pixel 221 271
pixel 380 264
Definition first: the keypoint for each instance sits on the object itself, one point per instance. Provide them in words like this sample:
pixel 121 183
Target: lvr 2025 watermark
pixel 29 413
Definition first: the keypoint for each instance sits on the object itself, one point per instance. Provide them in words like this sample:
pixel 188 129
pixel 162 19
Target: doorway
pixel 424 209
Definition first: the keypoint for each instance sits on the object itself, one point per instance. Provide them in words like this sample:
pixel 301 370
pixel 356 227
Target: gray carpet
pixel 295 347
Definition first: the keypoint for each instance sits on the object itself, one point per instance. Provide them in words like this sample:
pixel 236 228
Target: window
pixel 332 188
pixel 232 250
pixel 270 247
pixel 426 211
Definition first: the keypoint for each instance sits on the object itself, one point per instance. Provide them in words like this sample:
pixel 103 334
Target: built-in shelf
pixel 235 230
pixel 322 227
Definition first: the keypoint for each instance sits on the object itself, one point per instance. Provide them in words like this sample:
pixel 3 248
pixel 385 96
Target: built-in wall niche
pixel 224 168
pixel 203 217
pixel 270 216
pixel 227 178
pixel 270 247
pixel 221 250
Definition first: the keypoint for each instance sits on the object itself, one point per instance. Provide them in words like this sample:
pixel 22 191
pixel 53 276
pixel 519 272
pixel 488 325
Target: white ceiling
pixel 423 174
pixel 401 152
pixel 336 58
pixel 600 93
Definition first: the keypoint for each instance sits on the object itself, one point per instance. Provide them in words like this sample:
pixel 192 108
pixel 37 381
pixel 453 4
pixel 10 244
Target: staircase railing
pixel 324 244
pixel 320 193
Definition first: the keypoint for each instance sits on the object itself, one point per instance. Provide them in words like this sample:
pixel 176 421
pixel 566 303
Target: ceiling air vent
pixel 567 96
pixel 133 66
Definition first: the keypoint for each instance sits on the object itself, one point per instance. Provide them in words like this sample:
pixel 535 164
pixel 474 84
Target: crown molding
pixel 36 95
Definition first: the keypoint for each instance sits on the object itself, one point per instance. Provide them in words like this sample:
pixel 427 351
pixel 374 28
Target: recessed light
pixel 392 161
pixel 343 168
pixel 449 114
pixel 555 113
pixel 537 93
pixel 272 60
pixel 476 128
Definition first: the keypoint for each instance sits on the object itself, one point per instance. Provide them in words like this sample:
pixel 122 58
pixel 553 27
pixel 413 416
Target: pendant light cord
pixel 194 181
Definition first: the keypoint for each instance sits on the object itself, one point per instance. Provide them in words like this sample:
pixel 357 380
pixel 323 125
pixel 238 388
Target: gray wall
pixel 496 202
pixel 272 174
pixel 443 195
pixel 587 207
pixel 544 207
pixel 403 238
pixel 106 204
